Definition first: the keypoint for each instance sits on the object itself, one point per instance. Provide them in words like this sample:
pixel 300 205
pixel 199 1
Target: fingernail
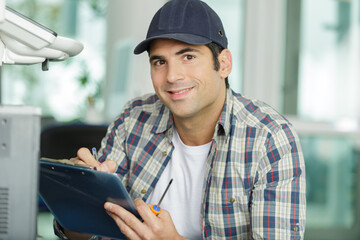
pixel 108 206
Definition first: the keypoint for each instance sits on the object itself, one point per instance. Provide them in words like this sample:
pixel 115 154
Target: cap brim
pixel 182 37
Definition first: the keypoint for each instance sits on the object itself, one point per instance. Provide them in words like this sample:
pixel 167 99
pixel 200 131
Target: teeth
pixel 182 91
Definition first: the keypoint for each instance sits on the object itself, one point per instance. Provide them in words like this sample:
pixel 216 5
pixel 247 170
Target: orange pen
pixel 155 208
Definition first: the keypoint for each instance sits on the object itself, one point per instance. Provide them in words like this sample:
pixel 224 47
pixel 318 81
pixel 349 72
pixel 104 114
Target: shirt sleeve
pixel 278 206
pixel 113 145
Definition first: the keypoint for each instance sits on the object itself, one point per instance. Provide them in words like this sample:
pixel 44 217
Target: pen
pixel 155 208
pixel 94 152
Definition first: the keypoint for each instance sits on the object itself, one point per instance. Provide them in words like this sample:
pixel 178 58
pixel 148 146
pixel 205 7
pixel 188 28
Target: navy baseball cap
pixel 189 21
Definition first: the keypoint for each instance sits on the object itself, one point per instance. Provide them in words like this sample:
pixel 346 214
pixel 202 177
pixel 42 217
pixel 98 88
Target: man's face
pixel 184 78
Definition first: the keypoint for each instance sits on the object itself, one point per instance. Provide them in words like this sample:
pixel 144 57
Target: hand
pixel 85 157
pixel 153 227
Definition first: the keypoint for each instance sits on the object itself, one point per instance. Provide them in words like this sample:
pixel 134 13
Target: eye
pixel 159 62
pixel 188 57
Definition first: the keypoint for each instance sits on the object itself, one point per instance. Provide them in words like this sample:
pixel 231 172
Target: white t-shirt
pixel 183 199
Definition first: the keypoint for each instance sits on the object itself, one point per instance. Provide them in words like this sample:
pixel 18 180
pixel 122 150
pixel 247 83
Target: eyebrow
pixel 156 57
pixel 182 51
pixel 185 50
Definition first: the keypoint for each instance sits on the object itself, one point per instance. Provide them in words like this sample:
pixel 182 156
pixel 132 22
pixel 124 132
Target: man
pixel 237 167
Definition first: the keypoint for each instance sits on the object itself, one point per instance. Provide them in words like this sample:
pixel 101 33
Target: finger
pixel 77 161
pixel 144 210
pixel 128 218
pixel 158 225
pixel 164 215
pixel 85 155
pixel 107 166
pixel 125 229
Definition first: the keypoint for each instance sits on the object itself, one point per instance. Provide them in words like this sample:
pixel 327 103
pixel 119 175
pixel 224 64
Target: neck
pixel 198 130
pixel 195 134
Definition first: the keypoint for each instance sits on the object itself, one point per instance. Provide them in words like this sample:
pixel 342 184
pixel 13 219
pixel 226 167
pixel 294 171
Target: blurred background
pixel 300 56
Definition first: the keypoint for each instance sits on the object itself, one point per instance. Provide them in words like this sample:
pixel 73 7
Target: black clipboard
pixel 75 195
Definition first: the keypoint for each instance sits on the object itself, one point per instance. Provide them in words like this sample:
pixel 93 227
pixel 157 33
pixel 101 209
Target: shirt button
pixel 232 200
pixel 164 153
pixel 143 191
pixel 296 229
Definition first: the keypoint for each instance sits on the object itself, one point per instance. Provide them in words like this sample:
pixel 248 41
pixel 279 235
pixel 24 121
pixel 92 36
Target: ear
pixel 225 60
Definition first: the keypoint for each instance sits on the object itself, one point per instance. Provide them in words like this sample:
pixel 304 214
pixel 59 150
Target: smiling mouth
pixel 180 91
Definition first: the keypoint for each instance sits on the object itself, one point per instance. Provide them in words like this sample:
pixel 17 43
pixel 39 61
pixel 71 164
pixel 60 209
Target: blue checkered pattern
pixel 254 186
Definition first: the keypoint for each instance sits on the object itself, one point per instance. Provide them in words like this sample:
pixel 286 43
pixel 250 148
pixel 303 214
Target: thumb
pixel 108 166
pixel 85 155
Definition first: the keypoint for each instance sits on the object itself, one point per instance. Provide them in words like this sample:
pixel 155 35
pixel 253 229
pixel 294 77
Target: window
pixel 65 91
pixel 327 41
pixel 321 85
pixel 331 181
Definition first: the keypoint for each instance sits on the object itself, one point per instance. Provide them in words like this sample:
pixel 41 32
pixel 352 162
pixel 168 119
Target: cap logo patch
pixel 220 33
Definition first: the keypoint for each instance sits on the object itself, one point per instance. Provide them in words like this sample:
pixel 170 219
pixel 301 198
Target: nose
pixel 174 72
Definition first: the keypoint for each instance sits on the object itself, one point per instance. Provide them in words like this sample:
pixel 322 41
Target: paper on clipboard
pixel 76 195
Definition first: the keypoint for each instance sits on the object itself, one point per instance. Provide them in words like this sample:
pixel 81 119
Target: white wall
pixel 264 46
pixel 128 22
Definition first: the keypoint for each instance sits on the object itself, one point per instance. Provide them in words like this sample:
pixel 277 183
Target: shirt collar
pixel 163 118
pixel 224 123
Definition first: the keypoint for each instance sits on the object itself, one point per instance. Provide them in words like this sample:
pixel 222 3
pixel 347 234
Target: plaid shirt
pixel 255 174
